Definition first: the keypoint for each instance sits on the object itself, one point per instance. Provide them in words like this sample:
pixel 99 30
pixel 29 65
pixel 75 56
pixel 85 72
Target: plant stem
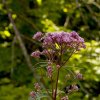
pixel 52 86
pixel 56 85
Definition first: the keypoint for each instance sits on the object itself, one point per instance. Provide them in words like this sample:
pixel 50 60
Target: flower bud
pixel 37 36
pixel 36 54
pixel 33 94
pixel 37 86
pixel 74 88
pixel 79 76
pixel 64 98
pixel 58 66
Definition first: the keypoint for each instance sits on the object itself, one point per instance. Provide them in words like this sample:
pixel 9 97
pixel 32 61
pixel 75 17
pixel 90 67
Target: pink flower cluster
pixel 57 41
pixel 56 44
pixel 64 39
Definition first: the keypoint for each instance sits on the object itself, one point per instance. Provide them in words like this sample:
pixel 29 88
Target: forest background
pixel 21 19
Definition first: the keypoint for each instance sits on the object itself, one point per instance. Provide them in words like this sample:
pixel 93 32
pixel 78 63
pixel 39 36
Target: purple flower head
pixel 67 40
pixel 38 36
pixel 47 40
pixel 37 86
pixel 36 54
pixel 49 71
pixel 79 76
pixel 64 98
pixel 74 34
pixel 52 38
pixel 57 37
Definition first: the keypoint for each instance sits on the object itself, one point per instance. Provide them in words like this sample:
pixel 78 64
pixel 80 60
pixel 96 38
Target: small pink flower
pixel 79 76
pixel 44 52
pixel 75 88
pixel 36 54
pixel 37 36
pixel 33 94
pixel 37 86
pixel 64 98
pixel 71 40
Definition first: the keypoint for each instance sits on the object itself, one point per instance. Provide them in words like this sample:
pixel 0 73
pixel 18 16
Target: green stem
pixel 56 85
pixel 52 86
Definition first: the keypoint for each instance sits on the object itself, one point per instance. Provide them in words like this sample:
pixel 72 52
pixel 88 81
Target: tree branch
pixel 18 36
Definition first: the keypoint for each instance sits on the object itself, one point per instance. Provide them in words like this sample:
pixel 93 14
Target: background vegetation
pixel 16 67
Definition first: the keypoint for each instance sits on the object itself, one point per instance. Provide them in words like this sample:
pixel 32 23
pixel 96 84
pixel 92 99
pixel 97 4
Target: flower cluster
pixel 56 44
pixel 69 40
pixel 79 76
pixel 37 86
pixel 57 47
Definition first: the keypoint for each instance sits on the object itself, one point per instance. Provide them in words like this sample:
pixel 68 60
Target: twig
pixel 18 36
pixel 93 13
pixel 55 95
pixel 30 22
pixel 66 21
pixel 52 86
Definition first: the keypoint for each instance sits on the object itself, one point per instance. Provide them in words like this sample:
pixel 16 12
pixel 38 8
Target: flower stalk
pixel 58 47
pixel 55 95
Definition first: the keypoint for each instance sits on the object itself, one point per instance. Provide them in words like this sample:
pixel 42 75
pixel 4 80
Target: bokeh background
pixel 26 17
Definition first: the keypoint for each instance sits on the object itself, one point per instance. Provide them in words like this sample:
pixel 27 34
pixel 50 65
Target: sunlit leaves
pixel 49 26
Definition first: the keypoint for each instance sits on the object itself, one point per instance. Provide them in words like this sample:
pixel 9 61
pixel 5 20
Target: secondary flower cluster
pixel 33 94
pixel 71 88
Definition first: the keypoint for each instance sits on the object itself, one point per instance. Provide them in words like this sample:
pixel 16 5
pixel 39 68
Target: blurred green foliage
pixel 30 16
